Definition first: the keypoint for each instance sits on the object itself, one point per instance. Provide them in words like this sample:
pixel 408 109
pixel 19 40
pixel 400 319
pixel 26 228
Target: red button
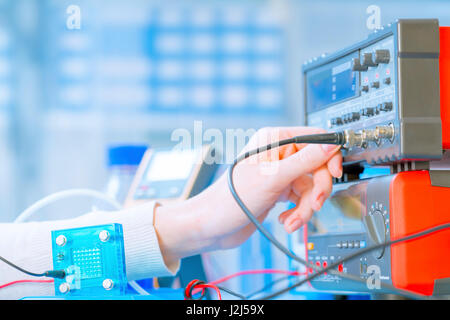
pixel 340 268
pixel 325 264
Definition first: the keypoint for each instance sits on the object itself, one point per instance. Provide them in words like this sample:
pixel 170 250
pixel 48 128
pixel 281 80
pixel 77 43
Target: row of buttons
pixel 365 112
pixel 351 244
pixel 375 84
pixel 324 265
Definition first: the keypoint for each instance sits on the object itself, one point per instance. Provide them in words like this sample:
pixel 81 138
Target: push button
pixel 386 106
pixel 367 112
pixel 375 84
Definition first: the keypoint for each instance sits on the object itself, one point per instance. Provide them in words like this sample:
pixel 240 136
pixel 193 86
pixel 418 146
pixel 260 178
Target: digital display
pixel 171 165
pixel 331 83
pixel 342 212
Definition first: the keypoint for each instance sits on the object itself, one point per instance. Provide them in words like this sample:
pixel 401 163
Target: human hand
pixel 300 173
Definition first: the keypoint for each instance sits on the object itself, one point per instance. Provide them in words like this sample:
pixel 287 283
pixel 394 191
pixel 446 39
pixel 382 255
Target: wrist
pixel 179 228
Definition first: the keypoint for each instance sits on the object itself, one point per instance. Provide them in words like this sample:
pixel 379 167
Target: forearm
pixel 29 246
pixel 202 223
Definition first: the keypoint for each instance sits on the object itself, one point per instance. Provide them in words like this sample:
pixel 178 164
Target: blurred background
pixel 78 76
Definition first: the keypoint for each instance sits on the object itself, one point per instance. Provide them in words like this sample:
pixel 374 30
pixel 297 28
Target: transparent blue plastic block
pixel 93 258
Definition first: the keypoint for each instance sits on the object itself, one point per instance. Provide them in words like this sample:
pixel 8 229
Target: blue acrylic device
pixel 93 259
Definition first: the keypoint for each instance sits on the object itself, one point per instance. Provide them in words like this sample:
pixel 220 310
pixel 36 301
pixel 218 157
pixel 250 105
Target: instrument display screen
pixel 342 212
pixel 331 83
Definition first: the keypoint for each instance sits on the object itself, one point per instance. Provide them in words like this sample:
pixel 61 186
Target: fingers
pixel 322 188
pixel 335 165
pixel 299 215
pixel 306 160
pixel 312 193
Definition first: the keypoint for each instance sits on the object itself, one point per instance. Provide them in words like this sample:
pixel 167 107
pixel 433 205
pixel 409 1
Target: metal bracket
pixel 440 178
pixel 441 287
pixel 409 166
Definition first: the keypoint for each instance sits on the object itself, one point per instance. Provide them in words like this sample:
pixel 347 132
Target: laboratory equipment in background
pixel 392 91
pixel 172 174
pixel 123 162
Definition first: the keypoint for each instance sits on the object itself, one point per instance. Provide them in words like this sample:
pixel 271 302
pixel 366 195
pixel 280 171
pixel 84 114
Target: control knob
pixel 376 228
pixel 382 56
pixel 368 60
pixel 357 66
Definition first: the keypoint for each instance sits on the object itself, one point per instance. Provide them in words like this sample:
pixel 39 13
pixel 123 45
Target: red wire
pixel 24 281
pixel 241 273
pixel 203 286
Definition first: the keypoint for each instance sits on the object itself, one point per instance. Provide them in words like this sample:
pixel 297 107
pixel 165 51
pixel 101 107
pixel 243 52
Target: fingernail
pixel 294 225
pixel 339 171
pixel 329 148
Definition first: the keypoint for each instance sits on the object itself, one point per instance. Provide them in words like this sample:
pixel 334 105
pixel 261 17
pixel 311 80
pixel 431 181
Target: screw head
pixel 104 235
pixel 108 284
pixel 64 287
pixel 61 240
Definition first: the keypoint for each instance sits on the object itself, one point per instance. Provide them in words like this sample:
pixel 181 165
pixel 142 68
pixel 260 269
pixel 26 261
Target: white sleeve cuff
pixel 143 256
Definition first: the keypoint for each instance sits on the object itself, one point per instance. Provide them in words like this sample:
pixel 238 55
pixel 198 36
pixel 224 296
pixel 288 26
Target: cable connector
pixel 56 274
pixel 354 139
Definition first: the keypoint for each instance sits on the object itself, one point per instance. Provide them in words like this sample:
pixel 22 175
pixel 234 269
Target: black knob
pixel 368 61
pixel 357 66
pixel 386 106
pixel 367 112
pixel 375 84
pixel 387 80
pixel 365 88
pixel 382 56
pixel 355 116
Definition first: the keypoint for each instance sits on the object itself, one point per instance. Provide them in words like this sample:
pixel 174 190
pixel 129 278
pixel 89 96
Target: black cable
pixel 238 295
pixel 357 254
pixel 268 286
pixel 337 138
pixel 59 274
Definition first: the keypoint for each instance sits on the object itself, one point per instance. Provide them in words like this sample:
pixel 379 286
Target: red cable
pixel 199 287
pixel 241 273
pixel 203 286
pixel 24 281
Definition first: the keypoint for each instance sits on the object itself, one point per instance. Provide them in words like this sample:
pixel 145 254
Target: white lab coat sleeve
pixel 28 245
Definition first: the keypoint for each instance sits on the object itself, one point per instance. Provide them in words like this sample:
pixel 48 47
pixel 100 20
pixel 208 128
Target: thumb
pixel 306 160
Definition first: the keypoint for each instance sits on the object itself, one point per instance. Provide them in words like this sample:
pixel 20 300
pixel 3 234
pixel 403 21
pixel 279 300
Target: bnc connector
pixel 369 135
pixel 385 132
pixel 353 139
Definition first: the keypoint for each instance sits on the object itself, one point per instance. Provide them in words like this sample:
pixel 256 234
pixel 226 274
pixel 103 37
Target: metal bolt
pixel 103 235
pixel 61 240
pixel 108 284
pixel 64 287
